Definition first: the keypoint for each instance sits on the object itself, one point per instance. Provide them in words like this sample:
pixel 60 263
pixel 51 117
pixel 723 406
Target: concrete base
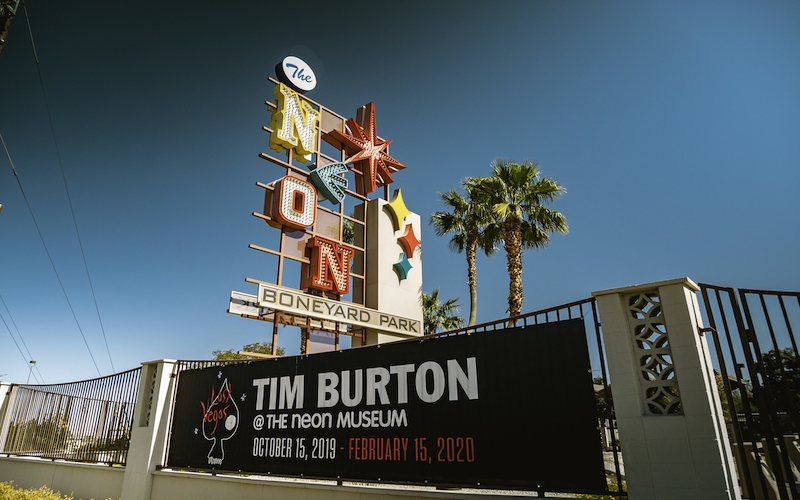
pixel 85 481
pixel 74 479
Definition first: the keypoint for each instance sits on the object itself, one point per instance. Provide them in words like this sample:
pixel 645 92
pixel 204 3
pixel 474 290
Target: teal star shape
pixel 403 267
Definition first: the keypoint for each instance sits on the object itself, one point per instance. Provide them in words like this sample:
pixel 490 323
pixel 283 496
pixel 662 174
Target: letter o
pixel 294 202
pixel 422 383
pixel 281 302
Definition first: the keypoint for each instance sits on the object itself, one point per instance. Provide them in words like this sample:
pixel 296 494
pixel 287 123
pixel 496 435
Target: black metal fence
pixel 587 310
pixel 88 421
pixel 91 421
pixel 197 364
pixel 755 346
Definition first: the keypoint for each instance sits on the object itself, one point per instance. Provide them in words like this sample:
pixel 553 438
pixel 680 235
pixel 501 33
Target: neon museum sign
pixel 294 126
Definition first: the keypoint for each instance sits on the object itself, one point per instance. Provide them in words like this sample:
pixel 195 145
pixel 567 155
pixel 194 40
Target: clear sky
pixel 673 125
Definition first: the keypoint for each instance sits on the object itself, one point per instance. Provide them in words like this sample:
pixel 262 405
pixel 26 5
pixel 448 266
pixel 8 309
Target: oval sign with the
pixel 297 74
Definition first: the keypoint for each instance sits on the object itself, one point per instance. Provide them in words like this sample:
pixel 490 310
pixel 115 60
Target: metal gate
pixel 88 421
pixel 755 343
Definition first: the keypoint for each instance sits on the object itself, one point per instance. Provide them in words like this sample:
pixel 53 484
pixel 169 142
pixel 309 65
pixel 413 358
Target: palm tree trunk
pixel 513 245
pixel 472 274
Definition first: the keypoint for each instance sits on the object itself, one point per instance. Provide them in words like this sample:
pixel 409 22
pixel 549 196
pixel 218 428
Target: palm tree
pixel 470 225
pixel 516 193
pixel 439 315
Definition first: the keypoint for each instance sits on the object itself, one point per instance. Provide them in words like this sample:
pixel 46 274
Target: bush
pixel 8 492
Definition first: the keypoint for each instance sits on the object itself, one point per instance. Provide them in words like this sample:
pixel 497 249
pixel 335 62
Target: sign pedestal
pixel 385 290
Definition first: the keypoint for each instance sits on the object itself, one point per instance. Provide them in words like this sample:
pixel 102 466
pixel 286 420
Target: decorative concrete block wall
pixel 671 427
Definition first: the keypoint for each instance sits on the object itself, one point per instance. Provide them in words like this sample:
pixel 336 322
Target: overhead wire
pixel 25 197
pixel 24 359
pixel 19 334
pixel 66 187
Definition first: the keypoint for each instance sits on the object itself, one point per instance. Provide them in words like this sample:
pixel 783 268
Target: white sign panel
pixel 298 73
pixel 245 305
pixel 292 301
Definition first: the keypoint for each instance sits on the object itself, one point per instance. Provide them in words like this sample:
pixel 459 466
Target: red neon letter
pixel 294 203
pixel 330 266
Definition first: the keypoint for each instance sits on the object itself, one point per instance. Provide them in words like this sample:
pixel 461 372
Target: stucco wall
pixel 171 485
pixel 82 481
pixel 99 482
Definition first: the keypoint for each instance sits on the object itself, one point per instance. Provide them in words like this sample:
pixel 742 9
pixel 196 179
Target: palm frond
pixel 437 314
pixel 517 194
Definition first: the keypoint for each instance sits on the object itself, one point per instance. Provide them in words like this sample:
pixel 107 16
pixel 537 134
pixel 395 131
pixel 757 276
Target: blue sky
pixel 673 127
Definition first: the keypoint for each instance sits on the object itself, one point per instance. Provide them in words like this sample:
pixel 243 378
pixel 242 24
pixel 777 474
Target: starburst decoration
pixel 397 210
pixel 371 163
pixel 402 267
pixel 409 240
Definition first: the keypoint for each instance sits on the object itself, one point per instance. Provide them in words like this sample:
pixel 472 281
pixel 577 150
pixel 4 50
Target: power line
pixel 19 334
pixel 24 360
pixel 19 183
pixel 66 188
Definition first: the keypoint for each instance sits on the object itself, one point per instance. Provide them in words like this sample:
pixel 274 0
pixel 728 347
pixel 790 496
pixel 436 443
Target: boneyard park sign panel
pixel 481 409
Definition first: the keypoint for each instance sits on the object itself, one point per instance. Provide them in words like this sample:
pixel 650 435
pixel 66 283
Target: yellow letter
pixel 294 124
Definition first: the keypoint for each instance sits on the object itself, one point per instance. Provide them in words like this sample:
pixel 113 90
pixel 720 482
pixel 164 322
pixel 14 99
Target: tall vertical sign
pixel 359 264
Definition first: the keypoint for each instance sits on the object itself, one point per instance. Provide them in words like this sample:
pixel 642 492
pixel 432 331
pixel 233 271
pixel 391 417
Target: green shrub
pixel 8 492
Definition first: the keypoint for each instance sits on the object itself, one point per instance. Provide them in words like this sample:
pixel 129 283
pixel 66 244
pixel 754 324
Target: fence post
pixel 6 406
pixel 150 428
pixel 671 427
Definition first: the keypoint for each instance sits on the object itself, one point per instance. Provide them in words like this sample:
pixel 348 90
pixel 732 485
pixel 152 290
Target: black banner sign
pixel 510 408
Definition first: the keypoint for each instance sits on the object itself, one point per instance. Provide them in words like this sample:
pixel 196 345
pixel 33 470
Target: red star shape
pixel 409 240
pixel 371 164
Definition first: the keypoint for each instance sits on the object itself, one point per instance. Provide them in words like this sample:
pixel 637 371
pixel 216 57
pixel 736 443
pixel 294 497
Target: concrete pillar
pixel 672 431
pixel 150 428
pixel 5 393
pixel 5 408
pixel 385 290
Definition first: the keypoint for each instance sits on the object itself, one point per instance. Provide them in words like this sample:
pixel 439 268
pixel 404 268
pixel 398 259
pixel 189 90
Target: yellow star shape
pixel 397 210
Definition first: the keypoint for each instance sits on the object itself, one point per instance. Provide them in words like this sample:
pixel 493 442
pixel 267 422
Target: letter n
pixel 330 266
pixel 294 124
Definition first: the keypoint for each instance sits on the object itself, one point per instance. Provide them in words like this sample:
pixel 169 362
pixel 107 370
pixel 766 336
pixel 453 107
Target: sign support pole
pixel 275 335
